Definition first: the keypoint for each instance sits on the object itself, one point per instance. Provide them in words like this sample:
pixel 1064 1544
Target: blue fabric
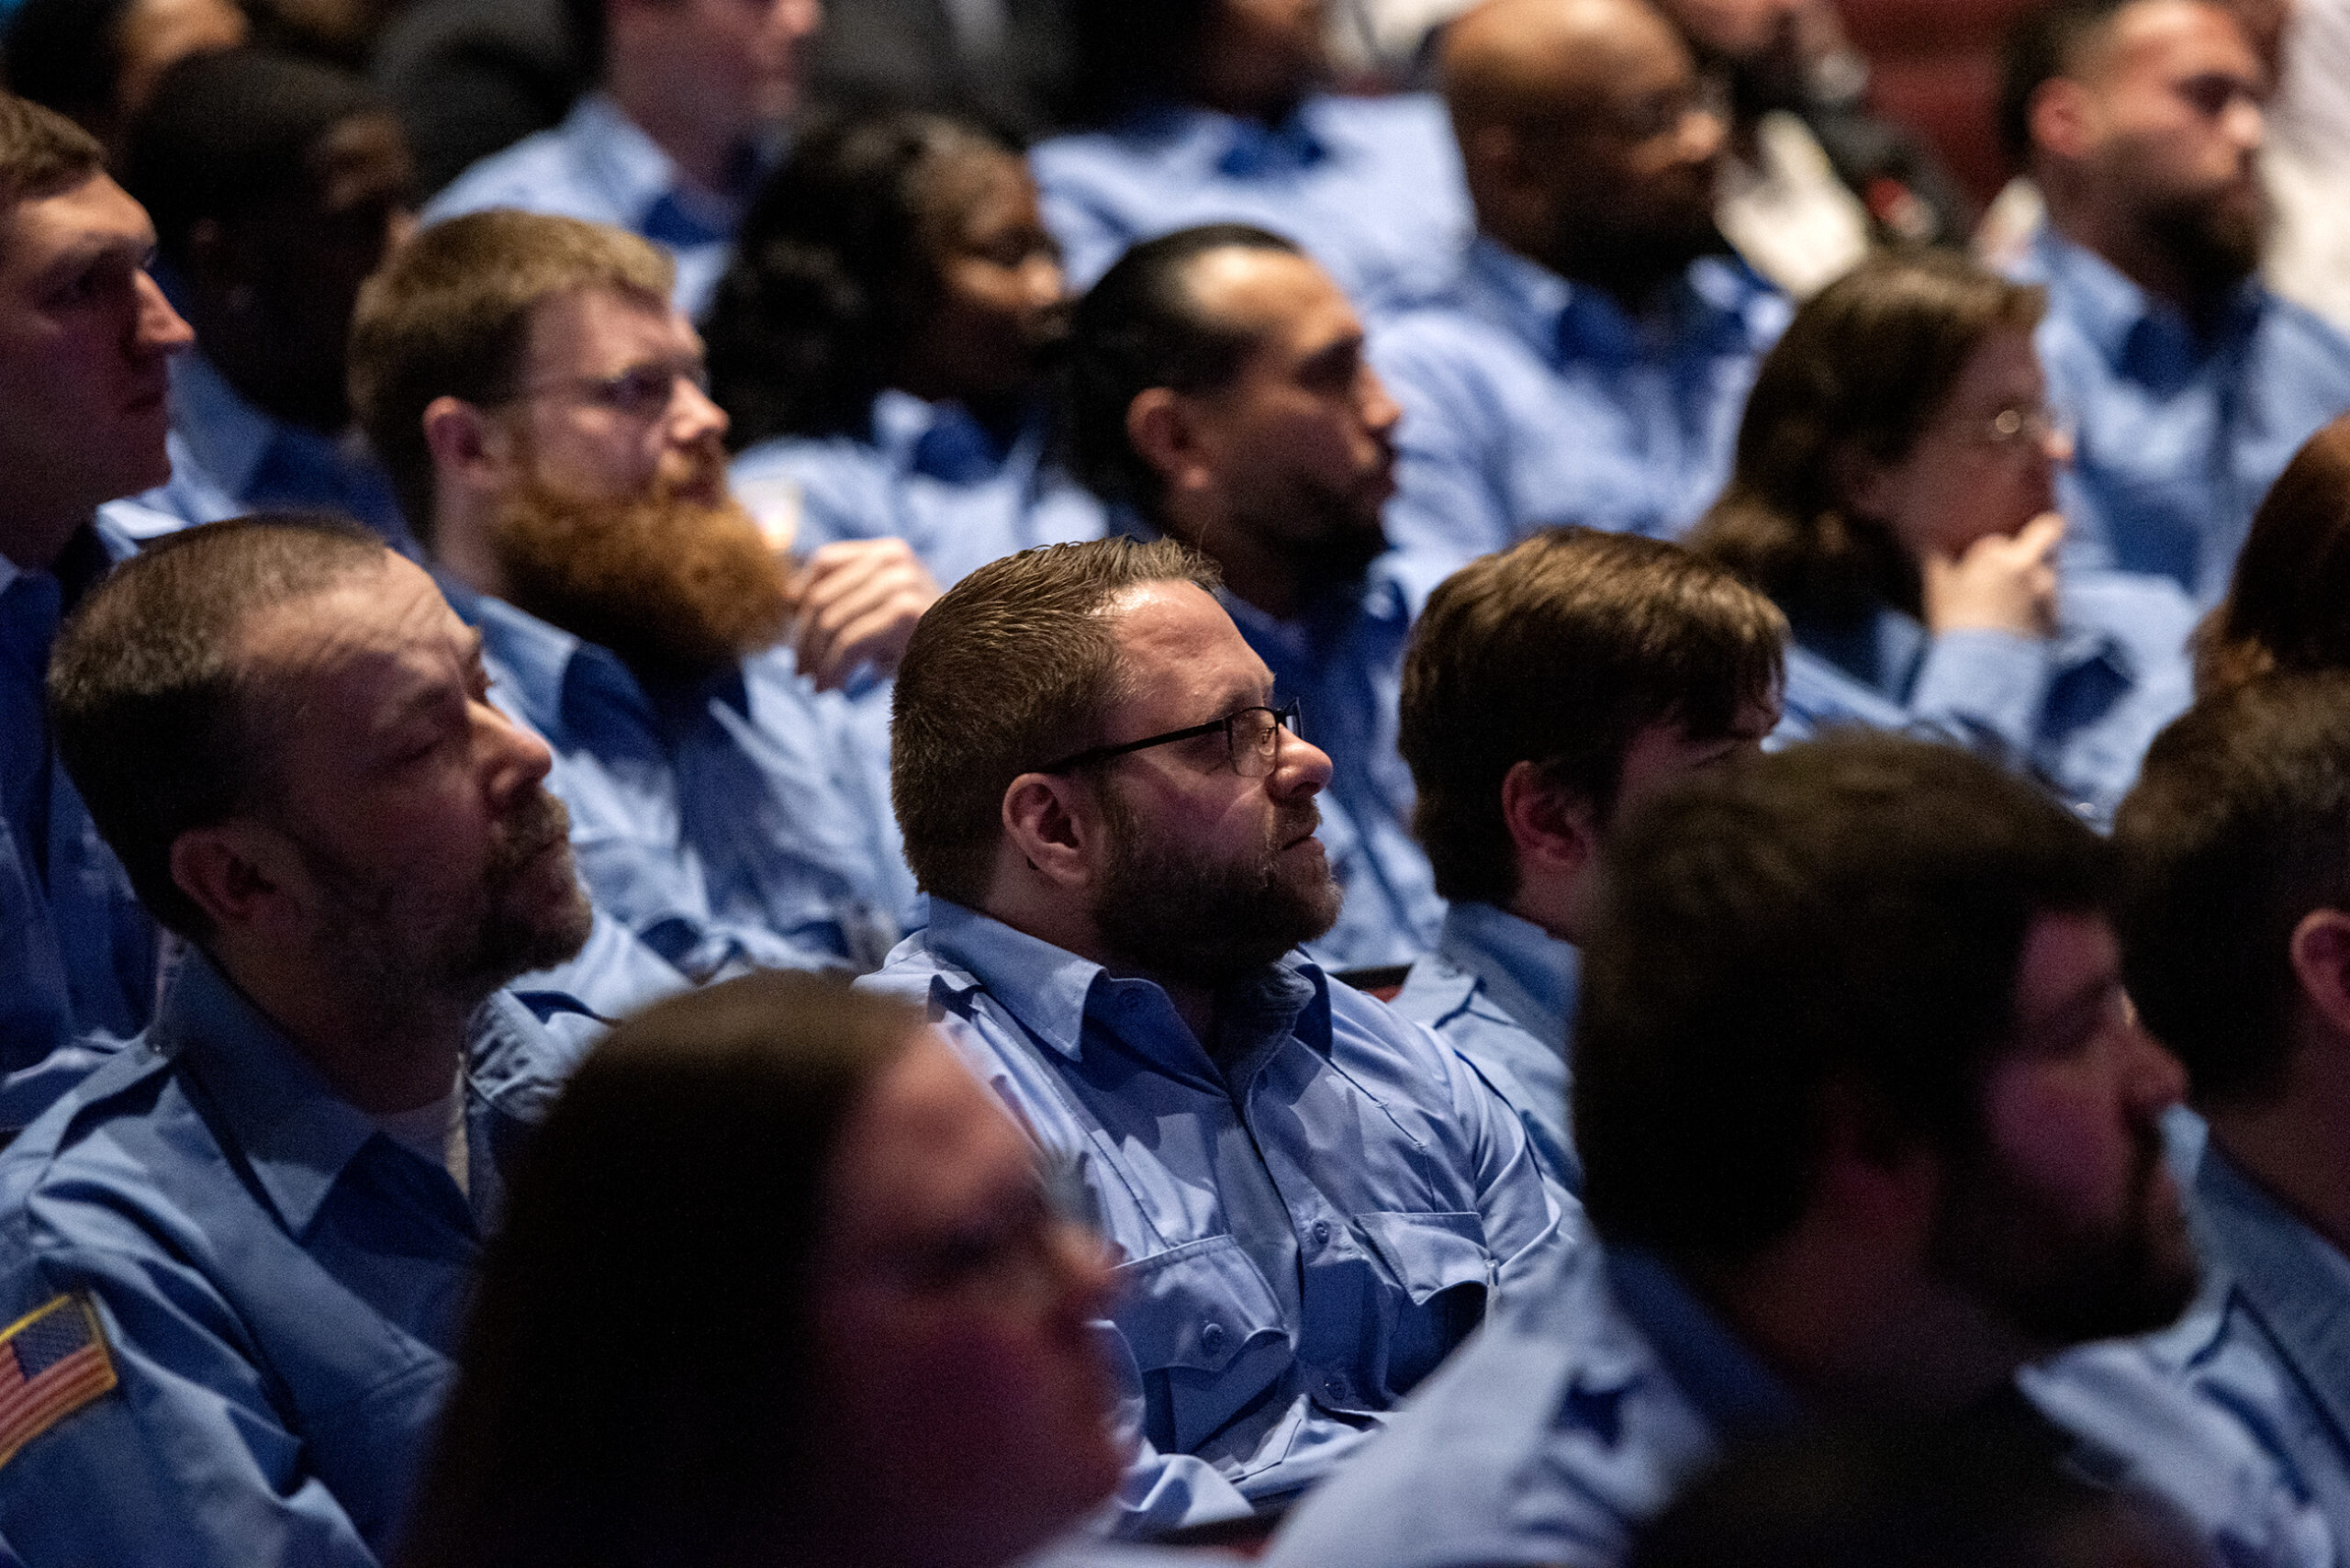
pixel 1501 991
pixel 2179 437
pixel 78 955
pixel 598 165
pixel 2077 713
pixel 279 1285
pixel 744 822
pixel 1530 402
pixel 1371 187
pixel 1302 1233
pixel 229 458
pixel 930 475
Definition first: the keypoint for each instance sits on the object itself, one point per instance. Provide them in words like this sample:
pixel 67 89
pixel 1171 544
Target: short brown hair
pixel 1862 371
pixel 1013 666
pixel 450 317
pixel 155 721
pixel 2288 604
pixel 42 151
pixel 1560 651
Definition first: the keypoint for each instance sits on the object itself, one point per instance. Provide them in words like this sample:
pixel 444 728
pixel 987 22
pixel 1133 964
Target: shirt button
pixel 1321 1230
pixel 1212 1338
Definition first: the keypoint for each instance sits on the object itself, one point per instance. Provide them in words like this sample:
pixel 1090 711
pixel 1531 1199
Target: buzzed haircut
pixel 42 153
pixel 1560 651
pixel 1141 327
pixel 2044 43
pixel 229 133
pixel 158 725
pixel 2238 828
pixel 1011 667
pixel 450 317
pixel 1846 915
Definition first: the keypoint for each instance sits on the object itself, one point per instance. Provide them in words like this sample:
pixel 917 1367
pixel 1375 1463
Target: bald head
pixel 1584 136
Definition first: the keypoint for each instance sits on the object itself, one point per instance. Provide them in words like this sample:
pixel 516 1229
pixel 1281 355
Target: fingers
pixel 2039 537
pixel 859 602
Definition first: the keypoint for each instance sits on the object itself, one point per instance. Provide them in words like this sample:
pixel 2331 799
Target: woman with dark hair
pixel 879 341
pixel 2287 606
pixel 779 1284
pixel 1216 111
pixel 1894 495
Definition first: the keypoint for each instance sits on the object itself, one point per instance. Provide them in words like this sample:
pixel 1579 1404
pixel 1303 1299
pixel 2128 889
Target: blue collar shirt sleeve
pixel 1530 402
pixel 1501 991
pixel 278 1285
pixel 1371 188
pixel 1277 1301
pixel 2178 434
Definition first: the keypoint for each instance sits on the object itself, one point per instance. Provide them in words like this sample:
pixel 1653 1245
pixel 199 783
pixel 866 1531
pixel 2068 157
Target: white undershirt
pixel 436 1132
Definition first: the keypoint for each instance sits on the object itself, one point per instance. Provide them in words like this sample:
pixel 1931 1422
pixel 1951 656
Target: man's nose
pixel 158 330
pixel 693 418
pixel 1301 769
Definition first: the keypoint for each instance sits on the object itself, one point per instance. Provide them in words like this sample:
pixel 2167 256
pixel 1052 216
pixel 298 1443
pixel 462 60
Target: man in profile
pixel 233 1257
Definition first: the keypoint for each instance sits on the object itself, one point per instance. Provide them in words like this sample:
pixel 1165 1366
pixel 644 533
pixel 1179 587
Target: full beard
pixel 1204 922
pixel 2216 242
pixel 677 589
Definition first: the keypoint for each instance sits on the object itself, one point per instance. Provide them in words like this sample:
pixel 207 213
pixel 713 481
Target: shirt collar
pixel 643 182
pixel 111 542
pixel 1530 973
pixel 1235 147
pixel 2131 331
pixel 226 435
pixel 1727 1384
pixel 540 661
pixel 2295 1279
pixel 940 441
pixel 1718 305
pixel 1051 990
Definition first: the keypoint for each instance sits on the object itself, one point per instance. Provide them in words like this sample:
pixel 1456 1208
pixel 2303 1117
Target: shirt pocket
pixel 1207 1337
pixel 1438 1273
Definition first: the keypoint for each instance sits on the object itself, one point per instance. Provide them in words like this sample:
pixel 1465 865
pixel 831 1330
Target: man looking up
pixel 233 1257
pixel 1219 395
pixel 539 404
pixel 84 334
pixel 688 119
pixel 1311 1200
pixel 277 186
pixel 1547 690
pixel 1589 363
pixel 1866 1126
pixel 2189 385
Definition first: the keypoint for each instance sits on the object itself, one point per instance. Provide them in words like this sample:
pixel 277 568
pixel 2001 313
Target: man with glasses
pixel 1312 1202
pixel 2191 385
pixel 1590 359
pixel 538 402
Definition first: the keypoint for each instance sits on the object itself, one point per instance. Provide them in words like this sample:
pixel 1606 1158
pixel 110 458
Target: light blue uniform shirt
pixel 78 955
pixel 279 1282
pixel 1302 1234
pixel 1595 1392
pixel 600 166
pixel 743 822
pixel 228 458
pixel 1501 991
pixel 2076 712
pixel 2179 438
pixel 1370 189
pixel 931 475
pixel 1530 402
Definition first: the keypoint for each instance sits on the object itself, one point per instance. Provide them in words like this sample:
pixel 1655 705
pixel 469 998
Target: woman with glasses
pixel 1894 495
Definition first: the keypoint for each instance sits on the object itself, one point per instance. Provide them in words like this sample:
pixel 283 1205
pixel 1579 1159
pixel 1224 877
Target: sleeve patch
pixel 53 1361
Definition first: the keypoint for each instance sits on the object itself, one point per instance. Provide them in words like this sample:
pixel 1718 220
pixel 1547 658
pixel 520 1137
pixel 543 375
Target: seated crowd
pixel 1476 824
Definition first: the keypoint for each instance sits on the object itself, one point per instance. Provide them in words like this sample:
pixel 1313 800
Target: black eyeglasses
pixel 1252 736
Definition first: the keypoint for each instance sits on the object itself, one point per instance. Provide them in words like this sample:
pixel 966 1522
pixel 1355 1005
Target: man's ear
pixel 239 874
pixel 467 445
pixel 1164 433
pixel 1873 1174
pixel 2320 949
pixel 1049 822
pixel 2063 119
pixel 1555 830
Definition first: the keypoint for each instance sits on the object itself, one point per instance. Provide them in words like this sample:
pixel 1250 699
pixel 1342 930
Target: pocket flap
pixel 1429 1252
pixel 1196 1305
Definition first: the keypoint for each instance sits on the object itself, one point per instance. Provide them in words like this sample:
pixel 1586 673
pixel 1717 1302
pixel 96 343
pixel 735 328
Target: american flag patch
pixel 53 1362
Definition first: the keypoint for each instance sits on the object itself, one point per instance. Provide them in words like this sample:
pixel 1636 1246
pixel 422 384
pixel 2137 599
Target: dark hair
pixel 1560 651
pixel 1963 1494
pixel 1013 666
pixel 1850 912
pixel 2042 43
pixel 636 1372
pixel 1861 372
pixel 1141 327
pixel 2288 605
pixel 226 134
pixel 41 152
pixel 449 316
pixel 1126 54
pixel 66 55
pixel 2238 827
pixel 832 276
pixel 159 726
